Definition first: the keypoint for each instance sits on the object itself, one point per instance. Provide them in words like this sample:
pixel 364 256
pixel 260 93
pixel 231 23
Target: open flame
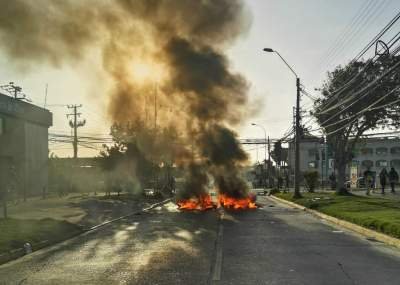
pixel 205 202
pixel 201 203
pixel 236 203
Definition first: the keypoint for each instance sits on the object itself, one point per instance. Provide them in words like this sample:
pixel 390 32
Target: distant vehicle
pixel 149 192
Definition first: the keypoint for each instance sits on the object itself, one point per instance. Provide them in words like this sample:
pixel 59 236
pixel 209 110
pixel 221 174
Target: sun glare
pixel 144 72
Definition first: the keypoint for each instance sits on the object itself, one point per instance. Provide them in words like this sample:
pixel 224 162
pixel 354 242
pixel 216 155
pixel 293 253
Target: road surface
pixel 272 245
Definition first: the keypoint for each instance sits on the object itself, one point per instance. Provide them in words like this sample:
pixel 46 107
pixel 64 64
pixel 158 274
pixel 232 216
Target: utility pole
pixel 269 163
pixel 297 143
pixel 326 159
pixel 265 154
pixel 155 107
pixel 15 91
pixel 257 152
pixel 75 124
pixel 146 113
pixel 297 127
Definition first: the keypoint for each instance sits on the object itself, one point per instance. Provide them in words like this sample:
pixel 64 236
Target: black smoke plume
pixel 180 41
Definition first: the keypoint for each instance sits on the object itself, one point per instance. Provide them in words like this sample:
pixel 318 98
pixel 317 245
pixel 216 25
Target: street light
pixel 297 137
pixel 265 149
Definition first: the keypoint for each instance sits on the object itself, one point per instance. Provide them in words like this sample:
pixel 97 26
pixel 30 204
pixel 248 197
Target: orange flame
pixel 201 203
pixel 236 203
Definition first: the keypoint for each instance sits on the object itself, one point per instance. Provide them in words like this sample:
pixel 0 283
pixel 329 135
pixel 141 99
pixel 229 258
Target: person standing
pixel 382 179
pixel 332 179
pixel 393 178
pixel 368 180
pixel 287 180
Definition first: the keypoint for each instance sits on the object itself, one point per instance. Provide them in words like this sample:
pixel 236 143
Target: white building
pixel 372 153
pixel 376 154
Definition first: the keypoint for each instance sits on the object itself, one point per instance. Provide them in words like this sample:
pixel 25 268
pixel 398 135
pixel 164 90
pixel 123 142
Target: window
pixel 381 150
pixel 395 163
pixel 381 163
pixel 367 150
pixel 395 150
pixel 367 163
pixel 313 152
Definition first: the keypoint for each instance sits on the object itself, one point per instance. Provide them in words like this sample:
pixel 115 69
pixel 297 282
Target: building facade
pixel 370 153
pixel 376 154
pixel 23 146
pixel 312 157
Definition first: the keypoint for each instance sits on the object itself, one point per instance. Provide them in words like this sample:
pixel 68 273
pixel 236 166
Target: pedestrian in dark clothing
pixel 280 182
pixel 393 178
pixel 332 178
pixel 383 179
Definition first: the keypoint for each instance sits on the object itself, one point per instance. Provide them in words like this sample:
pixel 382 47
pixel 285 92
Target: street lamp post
pixel 297 131
pixel 265 150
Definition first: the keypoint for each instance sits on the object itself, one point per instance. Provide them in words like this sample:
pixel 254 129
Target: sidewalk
pixel 78 208
pixel 377 194
pixel 359 192
pixel 40 221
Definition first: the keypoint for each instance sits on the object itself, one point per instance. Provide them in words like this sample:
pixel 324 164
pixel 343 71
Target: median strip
pixel 368 233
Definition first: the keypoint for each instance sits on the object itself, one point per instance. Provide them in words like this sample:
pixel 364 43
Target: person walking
pixel 393 179
pixel 368 180
pixel 332 179
pixel 287 181
pixel 383 179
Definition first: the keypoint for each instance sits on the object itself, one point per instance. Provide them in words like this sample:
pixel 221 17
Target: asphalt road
pixel 272 245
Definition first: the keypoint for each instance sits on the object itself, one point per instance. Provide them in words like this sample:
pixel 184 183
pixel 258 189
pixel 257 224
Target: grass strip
pixel 378 214
pixel 16 232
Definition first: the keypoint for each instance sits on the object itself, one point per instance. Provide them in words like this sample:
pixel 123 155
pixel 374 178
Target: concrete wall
pixel 36 158
pixel 24 144
pixel 12 150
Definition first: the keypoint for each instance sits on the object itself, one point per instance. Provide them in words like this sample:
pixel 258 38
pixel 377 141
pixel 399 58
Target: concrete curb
pixel 20 252
pixel 368 233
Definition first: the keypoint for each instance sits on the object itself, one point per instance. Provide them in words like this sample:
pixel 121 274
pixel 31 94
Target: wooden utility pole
pixel 75 124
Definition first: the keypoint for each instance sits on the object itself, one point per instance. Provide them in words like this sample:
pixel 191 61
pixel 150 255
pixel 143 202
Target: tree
pixel 356 98
pixel 277 152
pixel 138 153
pixel 311 179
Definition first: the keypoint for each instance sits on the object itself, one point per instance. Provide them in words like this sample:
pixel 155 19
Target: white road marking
pixel 219 255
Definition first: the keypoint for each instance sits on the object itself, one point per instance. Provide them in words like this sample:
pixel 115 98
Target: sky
pixel 303 31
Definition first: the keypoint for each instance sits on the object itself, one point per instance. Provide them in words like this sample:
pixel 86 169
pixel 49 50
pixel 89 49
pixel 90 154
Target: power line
pixel 377 55
pixel 377 37
pixel 357 116
pixel 368 13
pixel 367 109
pixel 351 25
pixel 15 91
pixel 370 85
pixel 374 11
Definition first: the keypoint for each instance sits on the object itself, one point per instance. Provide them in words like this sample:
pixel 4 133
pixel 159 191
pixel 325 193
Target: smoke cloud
pixel 163 52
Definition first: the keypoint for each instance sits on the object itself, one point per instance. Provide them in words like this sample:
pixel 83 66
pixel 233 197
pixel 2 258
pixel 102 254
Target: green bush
pixel 311 180
pixel 274 191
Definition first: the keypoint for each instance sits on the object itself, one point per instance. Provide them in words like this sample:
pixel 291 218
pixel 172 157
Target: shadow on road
pixel 156 246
